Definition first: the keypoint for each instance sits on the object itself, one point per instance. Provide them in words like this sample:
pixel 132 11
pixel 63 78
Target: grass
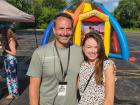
pixel 127 77
pixel 131 29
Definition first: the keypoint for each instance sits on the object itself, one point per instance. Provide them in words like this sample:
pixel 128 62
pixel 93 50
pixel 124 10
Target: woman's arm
pixel 109 85
pixel 78 92
pixel 77 82
pixel 12 46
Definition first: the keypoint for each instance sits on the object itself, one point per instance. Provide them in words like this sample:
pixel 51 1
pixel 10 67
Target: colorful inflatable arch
pixel 77 35
pixel 94 15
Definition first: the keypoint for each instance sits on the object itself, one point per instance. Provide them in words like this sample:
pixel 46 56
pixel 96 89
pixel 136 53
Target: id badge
pixel 62 88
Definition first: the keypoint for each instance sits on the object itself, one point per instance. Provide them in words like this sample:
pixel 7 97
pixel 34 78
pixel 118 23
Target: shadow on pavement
pixel 23 84
pixel 126 102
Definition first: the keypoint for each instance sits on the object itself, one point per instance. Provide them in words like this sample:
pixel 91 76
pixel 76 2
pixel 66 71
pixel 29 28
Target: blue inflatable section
pixel 48 31
pixel 120 34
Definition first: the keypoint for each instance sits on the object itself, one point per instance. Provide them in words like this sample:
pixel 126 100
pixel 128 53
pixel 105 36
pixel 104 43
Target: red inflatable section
pixel 115 43
pixel 132 58
pixel 93 19
pixel 97 8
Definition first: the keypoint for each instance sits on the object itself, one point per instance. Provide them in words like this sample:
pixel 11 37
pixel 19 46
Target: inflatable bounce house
pixel 93 16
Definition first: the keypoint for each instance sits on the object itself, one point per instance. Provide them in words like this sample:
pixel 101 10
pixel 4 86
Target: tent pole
pixel 36 41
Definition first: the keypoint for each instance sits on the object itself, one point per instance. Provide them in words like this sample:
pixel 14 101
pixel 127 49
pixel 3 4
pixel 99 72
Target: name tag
pixel 62 88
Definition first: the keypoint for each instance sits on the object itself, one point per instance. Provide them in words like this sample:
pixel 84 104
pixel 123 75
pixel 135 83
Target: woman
pixel 9 52
pixel 96 79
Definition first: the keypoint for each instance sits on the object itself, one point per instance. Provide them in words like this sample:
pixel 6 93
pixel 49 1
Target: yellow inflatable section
pixel 75 15
pixel 87 8
pixel 87 12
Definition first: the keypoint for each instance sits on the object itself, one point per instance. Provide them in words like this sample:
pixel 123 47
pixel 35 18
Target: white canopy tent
pixel 10 13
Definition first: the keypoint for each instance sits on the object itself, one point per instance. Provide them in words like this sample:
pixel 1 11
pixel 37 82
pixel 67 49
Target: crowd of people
pixel 60 72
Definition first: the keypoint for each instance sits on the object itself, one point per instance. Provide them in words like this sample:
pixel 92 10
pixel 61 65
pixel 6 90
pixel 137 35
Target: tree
pixel 127 13
pixel 22 5
pixel 43 10
pixel 81 0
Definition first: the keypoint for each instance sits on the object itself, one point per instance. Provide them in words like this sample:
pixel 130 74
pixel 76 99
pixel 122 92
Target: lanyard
pixel 64 74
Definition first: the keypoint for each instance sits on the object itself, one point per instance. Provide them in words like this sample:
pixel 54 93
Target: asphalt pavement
pixel 128 73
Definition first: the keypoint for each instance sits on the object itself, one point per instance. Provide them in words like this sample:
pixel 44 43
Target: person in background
pixel 96 79
pixel 9 46
pixel 54 67
pixel 91 29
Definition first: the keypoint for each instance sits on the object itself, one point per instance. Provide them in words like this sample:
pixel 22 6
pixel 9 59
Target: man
pixel 54 67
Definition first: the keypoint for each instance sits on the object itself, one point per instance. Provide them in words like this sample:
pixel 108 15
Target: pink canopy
pixel 12 14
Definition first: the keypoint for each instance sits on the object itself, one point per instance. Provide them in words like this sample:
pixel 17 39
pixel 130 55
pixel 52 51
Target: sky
pixel 110 5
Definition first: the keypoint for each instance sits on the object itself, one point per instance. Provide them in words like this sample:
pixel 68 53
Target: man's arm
pixel 34 88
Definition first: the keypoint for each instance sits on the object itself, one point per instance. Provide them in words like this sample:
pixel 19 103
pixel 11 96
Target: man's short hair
pixel 63 15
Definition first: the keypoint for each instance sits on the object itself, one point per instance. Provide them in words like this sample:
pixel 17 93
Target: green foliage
pixel 58 4
pixel 43 10
pixel 22 5
pixel 127 13
pixel 81 0
pixel 131 30
pixel 46 16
